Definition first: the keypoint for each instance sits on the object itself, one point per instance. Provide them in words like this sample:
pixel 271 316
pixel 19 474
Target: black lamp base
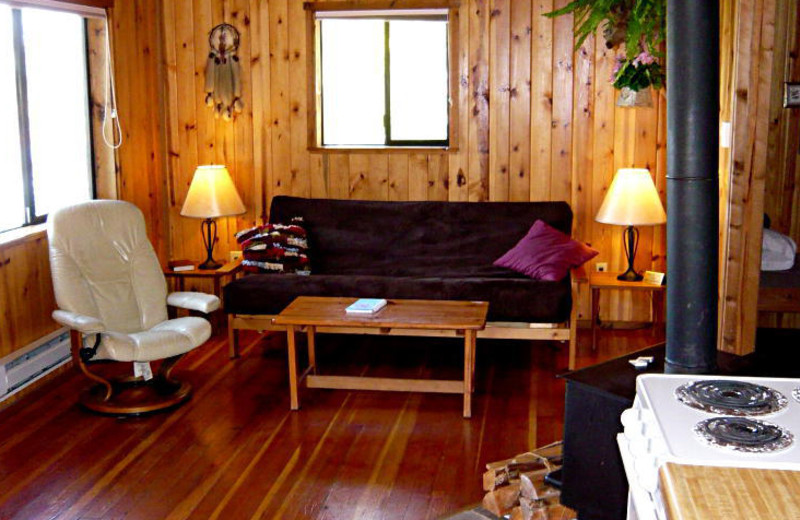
pixel 208 228
pixel 630 239
pixel 630 276
pixel 210 265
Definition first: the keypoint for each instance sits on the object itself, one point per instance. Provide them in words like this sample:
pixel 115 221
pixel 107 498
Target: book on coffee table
pixel 366 306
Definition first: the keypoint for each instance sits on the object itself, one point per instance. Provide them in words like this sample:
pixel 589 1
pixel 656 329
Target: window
pixel 383 78
pixel 45 151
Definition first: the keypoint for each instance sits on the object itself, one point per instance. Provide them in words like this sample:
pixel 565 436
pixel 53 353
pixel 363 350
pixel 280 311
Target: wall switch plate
pixel 234 256
pixel 601 267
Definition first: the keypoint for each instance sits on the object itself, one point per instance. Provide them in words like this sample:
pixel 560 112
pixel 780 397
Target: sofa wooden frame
pixel 565 331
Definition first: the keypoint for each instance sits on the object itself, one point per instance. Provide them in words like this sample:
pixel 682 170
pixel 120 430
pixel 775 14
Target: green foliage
pixel 637 76
pixel 644 22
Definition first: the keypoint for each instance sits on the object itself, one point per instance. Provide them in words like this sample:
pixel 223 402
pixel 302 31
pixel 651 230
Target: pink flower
pixel 644 58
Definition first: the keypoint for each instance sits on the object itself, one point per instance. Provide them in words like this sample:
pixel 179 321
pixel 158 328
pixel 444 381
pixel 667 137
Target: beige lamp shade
pixel 632 200
pixel 212 194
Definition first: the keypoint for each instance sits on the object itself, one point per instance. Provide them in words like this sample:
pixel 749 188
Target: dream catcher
pixel 223 73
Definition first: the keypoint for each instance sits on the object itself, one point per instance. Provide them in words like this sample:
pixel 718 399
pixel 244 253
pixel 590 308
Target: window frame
pixel 314 72
pixel 21 81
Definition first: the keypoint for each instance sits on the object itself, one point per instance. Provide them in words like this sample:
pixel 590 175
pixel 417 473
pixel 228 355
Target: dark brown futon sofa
pixel 418 250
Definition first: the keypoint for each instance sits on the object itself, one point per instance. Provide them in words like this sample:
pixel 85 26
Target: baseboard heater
pixel 26 365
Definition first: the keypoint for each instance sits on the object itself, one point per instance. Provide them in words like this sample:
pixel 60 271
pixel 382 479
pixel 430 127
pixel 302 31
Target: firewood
pixel 500 464
pixel 501 500
pixel 500 476
pixel 518 514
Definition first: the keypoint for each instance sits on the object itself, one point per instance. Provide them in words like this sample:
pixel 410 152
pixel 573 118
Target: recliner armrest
pixel 79 322
pixel 195 301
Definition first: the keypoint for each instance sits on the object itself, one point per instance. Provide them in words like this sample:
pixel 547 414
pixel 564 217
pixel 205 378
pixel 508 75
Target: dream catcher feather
pixel 223 72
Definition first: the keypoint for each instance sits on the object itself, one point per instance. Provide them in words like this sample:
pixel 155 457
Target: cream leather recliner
pixel 112 295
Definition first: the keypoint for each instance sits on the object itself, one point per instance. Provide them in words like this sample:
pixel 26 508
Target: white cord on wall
pixel 110 114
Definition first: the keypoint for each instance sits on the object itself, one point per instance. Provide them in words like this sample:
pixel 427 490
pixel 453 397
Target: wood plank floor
pixel 236 451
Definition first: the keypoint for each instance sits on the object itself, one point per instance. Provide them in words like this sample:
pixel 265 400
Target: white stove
pixel 706 420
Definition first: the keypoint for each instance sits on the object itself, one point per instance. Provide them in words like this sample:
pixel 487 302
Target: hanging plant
pixel 639 24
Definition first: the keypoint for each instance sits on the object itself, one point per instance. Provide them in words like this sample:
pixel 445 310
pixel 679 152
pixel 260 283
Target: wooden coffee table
pixel 399 317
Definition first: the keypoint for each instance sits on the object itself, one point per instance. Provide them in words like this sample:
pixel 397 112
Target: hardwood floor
pixel 236 451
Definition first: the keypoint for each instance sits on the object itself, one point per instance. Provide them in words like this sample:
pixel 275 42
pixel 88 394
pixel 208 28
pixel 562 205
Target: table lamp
pixel 211 195
pixel 632 200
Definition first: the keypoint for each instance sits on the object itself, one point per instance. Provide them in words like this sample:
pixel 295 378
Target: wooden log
pixel 501 500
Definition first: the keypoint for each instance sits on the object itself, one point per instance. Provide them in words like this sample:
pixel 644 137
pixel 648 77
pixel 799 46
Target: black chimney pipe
pixel 692 184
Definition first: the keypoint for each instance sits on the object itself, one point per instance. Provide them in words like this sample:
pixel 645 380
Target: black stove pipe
pixel 692 185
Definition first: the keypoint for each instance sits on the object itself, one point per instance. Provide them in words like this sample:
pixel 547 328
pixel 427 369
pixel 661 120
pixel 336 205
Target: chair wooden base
pixel 128 395
pixel 135 397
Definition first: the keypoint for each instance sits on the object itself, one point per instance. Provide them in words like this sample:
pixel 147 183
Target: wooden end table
pixel 399 317
pixel 229 270
pixel 607 280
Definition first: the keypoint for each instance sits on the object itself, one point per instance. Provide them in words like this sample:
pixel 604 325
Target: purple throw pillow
pixel 546 254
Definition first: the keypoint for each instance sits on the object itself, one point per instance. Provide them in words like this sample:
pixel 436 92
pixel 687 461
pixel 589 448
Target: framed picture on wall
pixel 791 95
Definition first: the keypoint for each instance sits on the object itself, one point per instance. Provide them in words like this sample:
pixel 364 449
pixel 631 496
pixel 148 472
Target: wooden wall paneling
pixel 728 31
pixel 519 162
pixel 279 99
pixel 418 176
pixel 186 239
pixel 790 160
pixel 774 186
pixel 561 158
pixel 398 176
pixel 478 142
pixel 645 157
pixel 378 172
pixel 499 89
pixel 244 159
pixel 6 305
pixel 542 89
pixel 136 44
pixel 362 184
pixel 754 53
pixel 105 170
pixel 173 163
pixel 582 167
pixel 458 189
pixel 783 141
pixel 298 76
pixel 437 177
pixel 26 292
pixel 603 161
pixel 260 93
pixel 339 174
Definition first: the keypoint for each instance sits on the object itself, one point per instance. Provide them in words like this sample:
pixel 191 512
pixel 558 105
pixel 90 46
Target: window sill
pixel 23 234
pixel 384 149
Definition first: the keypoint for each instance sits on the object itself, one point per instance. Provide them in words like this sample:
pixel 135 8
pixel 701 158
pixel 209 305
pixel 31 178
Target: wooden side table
pixel 230 270
pixel 607 280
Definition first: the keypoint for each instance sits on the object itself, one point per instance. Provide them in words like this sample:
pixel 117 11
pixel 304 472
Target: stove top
pixel 731 397
pixel 744 434
pixel 719 421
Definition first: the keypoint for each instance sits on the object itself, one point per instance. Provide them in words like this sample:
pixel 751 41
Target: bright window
pixel 384 78
pixel 45 151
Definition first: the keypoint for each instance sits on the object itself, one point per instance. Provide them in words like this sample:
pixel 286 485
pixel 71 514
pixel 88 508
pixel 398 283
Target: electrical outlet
pixel 601 267
pixel 233 256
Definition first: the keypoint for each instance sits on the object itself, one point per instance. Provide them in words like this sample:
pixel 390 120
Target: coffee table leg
pixel 290 339
pixel 312 349
pixel 469 363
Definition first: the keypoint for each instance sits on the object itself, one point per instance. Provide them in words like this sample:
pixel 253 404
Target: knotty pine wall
pixel 782 189
pixel 538 122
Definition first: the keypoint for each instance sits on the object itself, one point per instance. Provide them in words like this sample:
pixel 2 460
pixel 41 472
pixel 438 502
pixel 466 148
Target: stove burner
pixel 731 397
pixel 743 434
pixel 796 394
